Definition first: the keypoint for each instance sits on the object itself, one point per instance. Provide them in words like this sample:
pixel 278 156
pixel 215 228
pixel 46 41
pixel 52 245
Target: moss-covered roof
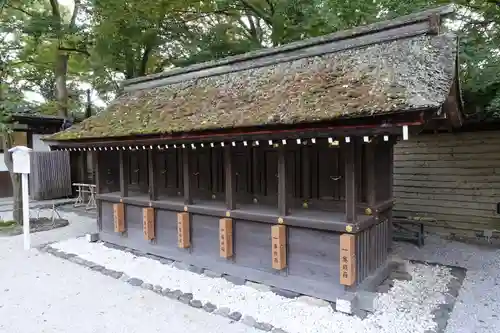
pixel 400 75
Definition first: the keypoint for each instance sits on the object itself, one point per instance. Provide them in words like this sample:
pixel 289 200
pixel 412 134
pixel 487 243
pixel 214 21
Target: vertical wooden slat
pixel 152 175
pixel 186 177
pixel 282 184
pixel 350 182
pixel 124 172
pixel 229 178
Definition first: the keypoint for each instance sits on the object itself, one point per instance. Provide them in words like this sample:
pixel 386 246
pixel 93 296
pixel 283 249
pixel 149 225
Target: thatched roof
pixel 404 74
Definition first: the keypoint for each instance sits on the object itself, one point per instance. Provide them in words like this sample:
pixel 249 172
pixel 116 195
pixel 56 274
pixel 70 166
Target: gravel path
pixel 478 306
pixel 42 293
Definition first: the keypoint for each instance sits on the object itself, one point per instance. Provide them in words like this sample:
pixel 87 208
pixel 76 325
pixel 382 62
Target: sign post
pixel 21 161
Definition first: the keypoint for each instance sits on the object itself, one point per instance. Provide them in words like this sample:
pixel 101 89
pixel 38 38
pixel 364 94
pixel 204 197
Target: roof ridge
pixel 354 33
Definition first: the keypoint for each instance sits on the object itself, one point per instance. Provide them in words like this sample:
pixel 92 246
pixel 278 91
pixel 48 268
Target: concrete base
pixel 92 238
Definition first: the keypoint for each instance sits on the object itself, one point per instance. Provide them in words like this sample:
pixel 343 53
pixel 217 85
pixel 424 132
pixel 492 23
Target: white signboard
pixel 21 160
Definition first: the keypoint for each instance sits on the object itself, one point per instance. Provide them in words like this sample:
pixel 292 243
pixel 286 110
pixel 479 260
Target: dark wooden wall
pixel 314 174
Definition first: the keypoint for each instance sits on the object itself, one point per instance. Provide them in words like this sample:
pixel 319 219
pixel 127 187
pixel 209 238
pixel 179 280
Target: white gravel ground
pixel 406 308
pixel 477 309
pixel 41 293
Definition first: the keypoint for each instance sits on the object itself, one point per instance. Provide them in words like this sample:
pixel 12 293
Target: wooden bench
pixel 83 190
pixel 405 229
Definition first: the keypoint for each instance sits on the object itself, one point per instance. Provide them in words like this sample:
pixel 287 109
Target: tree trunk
pixel 61 69
pixel 15 179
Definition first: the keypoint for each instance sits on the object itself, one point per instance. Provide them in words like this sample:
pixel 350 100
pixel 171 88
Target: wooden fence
pixel 50 176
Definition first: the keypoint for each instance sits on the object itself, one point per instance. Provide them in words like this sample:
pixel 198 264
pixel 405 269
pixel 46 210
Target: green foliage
pixel 117 39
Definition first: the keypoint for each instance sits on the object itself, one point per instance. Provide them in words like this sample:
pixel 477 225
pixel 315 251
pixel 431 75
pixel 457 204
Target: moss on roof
pixel 401 75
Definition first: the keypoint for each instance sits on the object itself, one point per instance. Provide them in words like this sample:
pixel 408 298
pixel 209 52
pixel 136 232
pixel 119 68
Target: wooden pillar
pixel 152 175
pixel 391 195
pixel 306 172
pixel 350 182
pixel 282 191
pixel 95 165
pixel 82 167
pixel 370 164
pixel 230 179
pixel 186 177
pixel 124 173
pixel 98 183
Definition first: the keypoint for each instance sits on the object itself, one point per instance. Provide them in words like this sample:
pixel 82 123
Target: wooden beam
pixel 230 179
pixel 282 191
pixel 124 173
pixel 350 182
pixel 186 177
pixel 152 175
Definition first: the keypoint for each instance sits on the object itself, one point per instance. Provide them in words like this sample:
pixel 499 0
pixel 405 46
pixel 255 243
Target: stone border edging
pixel 185 298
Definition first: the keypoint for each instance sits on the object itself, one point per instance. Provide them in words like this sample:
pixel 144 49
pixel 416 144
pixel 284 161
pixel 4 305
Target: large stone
pixel 278 330
pixel 77 260
pixel 158 289
pixel 248 320
pixel 224 312
pixel 97 268
pixel 115 274
pixel 211 274
pixel 147 286
pixel 284 292
pixel 165 291
pixel 124 277
pixel 263 326
pixel 174 294
pixel 196 304
pixel 186 298
pixel 135 282
pixel 235 280
pixel 209 307
pixel 313 301
pixel 258 286
pixel 235 316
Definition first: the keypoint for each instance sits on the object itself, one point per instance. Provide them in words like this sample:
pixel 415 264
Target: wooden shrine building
pixel 274 166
